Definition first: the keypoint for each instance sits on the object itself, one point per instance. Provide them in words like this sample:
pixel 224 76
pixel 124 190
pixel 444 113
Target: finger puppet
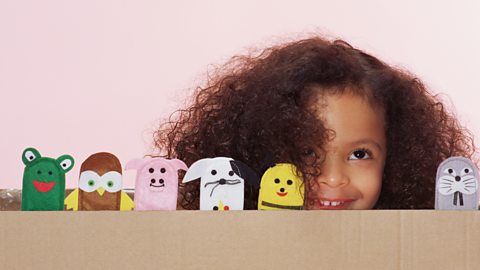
pixel 100 185
pixel 44 180
pixel 222 182
pixel 281 188
pixel 456 185
pixel 156 184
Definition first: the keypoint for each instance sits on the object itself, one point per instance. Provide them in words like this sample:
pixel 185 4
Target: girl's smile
pixel 351 173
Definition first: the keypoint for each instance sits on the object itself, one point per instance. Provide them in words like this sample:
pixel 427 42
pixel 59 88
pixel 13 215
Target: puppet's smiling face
pixel 158 176
pixel 43 175
pixel 281 187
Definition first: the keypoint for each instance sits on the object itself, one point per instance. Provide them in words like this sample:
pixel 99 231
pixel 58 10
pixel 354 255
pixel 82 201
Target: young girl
pixel 363 134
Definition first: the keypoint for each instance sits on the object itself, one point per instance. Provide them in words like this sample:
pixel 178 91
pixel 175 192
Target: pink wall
pixel 80 77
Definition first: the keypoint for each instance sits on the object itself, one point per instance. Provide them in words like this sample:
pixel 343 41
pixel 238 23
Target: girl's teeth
pixel 328 203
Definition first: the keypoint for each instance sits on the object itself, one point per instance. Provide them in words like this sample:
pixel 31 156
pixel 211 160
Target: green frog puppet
pixel 44 181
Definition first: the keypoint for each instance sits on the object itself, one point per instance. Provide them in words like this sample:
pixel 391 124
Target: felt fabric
pixel 281 189
pixel 156 184
pixel 222 182
pixel 456 186
pixel 43 186
pixel 100 185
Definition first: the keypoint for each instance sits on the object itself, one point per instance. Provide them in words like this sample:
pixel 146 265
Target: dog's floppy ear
pixel 242 170
pixel 197 170
pixel 268 162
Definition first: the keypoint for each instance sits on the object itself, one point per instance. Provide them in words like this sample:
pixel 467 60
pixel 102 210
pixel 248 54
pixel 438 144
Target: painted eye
pixel 289 182
pixel 152 181
pixel 30 155
pixel 88 181
pixel 360 154
pixel 161 181
pixel 449 171
pixel 466 171
pixel 39 172
pixel 50 172
pixel 214 172
pixel 162 170
pixel 215 208
pixel 231 173
pixel 66 164
pixel 112 181
pixel 277 181
pixel 151 170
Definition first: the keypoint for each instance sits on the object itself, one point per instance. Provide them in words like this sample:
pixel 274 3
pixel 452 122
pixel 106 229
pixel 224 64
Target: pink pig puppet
pixel 156 184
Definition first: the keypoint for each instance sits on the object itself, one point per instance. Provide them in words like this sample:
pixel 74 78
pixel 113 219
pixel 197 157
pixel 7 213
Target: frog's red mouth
pixel 43 187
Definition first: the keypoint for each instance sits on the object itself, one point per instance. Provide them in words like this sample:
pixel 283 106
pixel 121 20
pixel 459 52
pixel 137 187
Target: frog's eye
pixel 66 164
pixel 30 156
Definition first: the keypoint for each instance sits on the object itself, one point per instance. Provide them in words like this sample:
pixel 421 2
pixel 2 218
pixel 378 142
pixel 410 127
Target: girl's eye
pixel 360 154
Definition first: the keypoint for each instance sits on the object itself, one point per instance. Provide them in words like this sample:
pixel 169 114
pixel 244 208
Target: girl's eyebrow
pixel 367 141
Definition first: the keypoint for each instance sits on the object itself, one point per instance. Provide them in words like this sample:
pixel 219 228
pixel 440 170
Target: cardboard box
pixel 410 239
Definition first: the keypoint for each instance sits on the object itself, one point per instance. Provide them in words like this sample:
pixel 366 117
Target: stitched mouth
pixel 222 182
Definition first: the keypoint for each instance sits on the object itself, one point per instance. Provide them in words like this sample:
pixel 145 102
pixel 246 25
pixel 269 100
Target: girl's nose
pixel 333 175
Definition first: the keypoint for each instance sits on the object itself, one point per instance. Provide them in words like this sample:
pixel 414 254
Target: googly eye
pixel 277 181
pixel 151 170
pixel 163 170
pixel 289 182
pixel 214 172
pixel 231 173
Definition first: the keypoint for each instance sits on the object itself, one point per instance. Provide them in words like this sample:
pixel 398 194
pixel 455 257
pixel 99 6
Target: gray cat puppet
pixel 457 185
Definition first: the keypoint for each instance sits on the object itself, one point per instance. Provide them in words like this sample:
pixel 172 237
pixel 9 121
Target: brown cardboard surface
pixel 410 239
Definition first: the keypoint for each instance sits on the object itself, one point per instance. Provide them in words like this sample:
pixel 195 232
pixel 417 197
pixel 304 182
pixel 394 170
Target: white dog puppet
pixel 222 182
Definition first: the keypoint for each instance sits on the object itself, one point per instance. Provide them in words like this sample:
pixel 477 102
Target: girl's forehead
pixel 352 118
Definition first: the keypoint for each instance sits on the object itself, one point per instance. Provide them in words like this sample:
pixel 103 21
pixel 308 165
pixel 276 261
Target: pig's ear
pixel 197 170
pixel 178 164
pixel 135 164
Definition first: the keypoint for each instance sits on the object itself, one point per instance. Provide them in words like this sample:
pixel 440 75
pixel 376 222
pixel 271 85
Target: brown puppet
pixel 100 186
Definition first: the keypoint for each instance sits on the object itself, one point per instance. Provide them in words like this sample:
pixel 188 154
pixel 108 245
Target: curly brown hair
pixel 257 107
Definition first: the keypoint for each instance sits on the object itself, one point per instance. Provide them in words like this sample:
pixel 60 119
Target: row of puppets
pixel 222 183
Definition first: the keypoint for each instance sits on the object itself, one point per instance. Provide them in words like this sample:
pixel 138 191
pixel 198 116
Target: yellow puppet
pixel 281 189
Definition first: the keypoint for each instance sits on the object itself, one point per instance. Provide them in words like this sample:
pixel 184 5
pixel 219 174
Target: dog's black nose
pixel 457 178
pixel 222 182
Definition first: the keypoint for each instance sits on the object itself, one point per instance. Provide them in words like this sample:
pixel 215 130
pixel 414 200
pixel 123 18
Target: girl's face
pixel 351 175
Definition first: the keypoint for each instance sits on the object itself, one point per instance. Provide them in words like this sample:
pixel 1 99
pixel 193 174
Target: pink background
pixel 80 77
